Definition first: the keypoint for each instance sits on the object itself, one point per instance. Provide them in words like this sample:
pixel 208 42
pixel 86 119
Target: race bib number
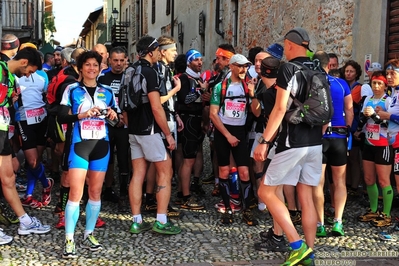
pixel 235 109
pixel 396 162
pixel 11 130
pixel 92 129
pixel 4 116
pixel 373 132
pixel 35 116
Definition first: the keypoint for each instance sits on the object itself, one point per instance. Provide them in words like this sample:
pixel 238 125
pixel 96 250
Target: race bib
pixel 92 129
pixel 373 131
pixel 235 109
pixel 35 116
pixel 396 162
pixel 11 130
pixel 4 116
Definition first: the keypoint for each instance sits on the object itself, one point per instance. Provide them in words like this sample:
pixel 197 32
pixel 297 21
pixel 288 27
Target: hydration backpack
pixel 54 84
pixel 317 108
pixel 4 83
pixel 131 94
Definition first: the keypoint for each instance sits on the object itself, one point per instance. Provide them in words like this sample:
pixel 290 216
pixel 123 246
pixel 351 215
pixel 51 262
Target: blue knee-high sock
pixel 92 212
pixel 71 216
pixel 40 175
pixel 30 186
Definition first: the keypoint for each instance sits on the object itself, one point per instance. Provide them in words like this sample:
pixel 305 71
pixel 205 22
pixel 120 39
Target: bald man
pixel 9 47
pixel 102 50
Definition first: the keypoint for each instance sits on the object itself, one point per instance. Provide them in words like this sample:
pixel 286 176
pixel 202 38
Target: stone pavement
pixel 203 241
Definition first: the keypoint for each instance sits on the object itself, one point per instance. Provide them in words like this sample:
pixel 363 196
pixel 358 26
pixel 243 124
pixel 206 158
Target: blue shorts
pixel 89 154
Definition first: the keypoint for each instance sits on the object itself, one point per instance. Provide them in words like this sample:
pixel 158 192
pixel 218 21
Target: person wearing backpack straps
pixel 335 150
pixel 26 62
pixel 148 129
pixel 168 50
pixel 228 112
pixel 298 159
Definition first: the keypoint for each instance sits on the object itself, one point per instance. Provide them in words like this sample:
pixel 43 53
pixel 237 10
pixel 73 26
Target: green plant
pixel 48 22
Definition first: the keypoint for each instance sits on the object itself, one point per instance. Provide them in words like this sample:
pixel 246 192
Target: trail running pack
pixel 224 89
pixel 133 84
pixel 54 84
pixel 317 108
pixel 4 84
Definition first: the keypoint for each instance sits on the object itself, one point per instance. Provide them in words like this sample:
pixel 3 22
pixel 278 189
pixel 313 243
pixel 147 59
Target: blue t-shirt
pixel 339 90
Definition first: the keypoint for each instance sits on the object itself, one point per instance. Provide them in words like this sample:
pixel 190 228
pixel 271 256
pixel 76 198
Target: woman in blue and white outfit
pixel 88 105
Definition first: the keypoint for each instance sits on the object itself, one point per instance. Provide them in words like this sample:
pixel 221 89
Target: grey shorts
pixel 296 165
pixel 149 147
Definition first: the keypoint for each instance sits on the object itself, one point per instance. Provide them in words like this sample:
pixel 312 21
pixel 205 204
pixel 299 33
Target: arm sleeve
pixel 64 117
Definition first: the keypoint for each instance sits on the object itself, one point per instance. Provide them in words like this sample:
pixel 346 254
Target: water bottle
pixel 234 183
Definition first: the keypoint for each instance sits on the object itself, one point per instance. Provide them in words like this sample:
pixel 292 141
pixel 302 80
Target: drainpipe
pixel 218 19
pixel 172 17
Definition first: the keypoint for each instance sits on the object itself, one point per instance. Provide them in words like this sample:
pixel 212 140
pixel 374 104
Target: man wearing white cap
pixel 228 112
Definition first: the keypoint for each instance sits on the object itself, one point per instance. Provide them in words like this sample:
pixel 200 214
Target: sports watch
pixel 262 140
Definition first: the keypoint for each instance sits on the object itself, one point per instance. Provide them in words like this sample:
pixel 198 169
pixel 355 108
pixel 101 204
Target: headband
pixel 167 46
pixel 224 53
pixel 381 78
pixel 391 67
pixel 191 55
pixel 9 44
pixel 151 47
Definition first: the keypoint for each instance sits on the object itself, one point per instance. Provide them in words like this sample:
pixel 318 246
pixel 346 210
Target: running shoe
pixel 272 244
pixel 296 219
pixel 100 223
pixel 297 255
pixel 338 229
pixel 321 231
pixel 29 201
pixel 69 250
pixel 167 229
pixel 3 218
pixel 35 227
pixel 91 243
pixel 196 187
pixel 150 206
pixel 227 217
pixel 391 233
pixel 248 218
pixel 61 221
pixel 235 206
pixel 368 216
pixel 192 204
pixel 46 194
pixel 265 235
pixel 309 261
pixel 21 187
pixel 172 213
pixel 216 191
pixel 382 220
pixel 210 179
pixel 4 239
pixel 137 228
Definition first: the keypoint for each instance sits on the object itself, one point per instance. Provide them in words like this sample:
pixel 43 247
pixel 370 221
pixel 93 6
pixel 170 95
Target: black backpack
pixel 133 91
pixel 317 108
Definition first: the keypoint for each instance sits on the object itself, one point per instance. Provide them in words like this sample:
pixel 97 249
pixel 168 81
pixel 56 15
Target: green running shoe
pixel 321 231
pixel 297 255
pixel 69 250
pixel 166 229
pixel 308 261
pixel 338 229
pixel 137 228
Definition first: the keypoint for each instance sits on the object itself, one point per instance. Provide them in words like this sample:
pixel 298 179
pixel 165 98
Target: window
pixel 167 7
pixel 153 12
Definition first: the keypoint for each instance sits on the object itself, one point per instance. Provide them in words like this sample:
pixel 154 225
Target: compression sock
pixel 39 173
pixel 225 192
pixel 71 217
pixel 246 193
pixel 92 212
pixel 64 194
pixel 387 197
pixel 372 191
pixel 30 185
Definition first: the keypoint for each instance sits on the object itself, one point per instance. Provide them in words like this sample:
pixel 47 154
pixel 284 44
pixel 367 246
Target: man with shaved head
pixel 9 47
pixel 102 50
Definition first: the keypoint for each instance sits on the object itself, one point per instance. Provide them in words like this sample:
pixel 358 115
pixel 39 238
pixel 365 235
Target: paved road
pixel 203 241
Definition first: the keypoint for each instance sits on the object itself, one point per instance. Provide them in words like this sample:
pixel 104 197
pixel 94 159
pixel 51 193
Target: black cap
pixel 298 36
pixel 269 67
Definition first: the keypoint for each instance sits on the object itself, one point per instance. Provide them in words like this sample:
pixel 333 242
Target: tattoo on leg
pixel 158 188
